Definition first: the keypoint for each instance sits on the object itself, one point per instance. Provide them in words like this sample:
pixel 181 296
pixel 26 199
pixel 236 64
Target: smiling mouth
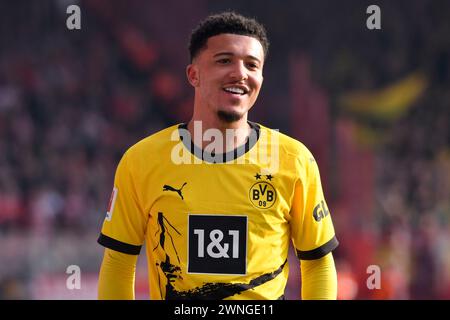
pixel 236 90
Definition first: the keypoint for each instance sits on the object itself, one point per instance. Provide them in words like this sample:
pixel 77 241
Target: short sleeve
pixel 311 225
pixel 125 223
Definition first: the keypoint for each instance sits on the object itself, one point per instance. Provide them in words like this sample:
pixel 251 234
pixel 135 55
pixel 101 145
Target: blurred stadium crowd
pixel 373 106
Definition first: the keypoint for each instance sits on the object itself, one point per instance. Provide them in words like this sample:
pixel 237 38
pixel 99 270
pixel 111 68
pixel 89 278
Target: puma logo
pixel 169 188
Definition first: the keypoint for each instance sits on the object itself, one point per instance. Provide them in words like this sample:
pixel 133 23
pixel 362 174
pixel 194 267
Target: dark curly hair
pixel 226 22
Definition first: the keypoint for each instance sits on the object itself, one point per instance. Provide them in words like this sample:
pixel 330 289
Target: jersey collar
pixel 223 157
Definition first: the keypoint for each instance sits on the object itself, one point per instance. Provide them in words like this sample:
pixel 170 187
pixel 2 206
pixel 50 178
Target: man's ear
pixel 193 75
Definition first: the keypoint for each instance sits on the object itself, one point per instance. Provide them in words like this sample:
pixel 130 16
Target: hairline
pixel 205 46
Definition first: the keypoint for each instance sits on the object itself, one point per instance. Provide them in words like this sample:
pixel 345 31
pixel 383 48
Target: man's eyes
pixel 250 65
pixel 224 61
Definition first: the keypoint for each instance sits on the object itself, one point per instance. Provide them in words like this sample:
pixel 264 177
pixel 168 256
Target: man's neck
pixel 229 135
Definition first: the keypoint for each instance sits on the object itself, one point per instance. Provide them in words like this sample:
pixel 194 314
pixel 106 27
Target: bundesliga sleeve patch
pixel 112 201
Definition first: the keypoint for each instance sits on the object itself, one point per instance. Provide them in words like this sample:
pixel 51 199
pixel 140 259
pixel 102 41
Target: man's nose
pixel 238 72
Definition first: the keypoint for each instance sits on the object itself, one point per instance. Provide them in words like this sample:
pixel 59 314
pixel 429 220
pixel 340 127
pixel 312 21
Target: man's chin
pixel 230 116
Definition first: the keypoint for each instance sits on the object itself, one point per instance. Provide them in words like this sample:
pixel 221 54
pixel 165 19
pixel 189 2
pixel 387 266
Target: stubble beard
pixel 229 116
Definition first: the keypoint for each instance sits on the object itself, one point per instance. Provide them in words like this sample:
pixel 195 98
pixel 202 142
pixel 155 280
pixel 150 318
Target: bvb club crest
pixel 262 194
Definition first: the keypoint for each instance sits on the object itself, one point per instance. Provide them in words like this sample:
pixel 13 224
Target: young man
pixel 218 200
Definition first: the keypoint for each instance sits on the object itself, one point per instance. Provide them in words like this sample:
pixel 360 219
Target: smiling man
pixel 227 77
pixel 219 225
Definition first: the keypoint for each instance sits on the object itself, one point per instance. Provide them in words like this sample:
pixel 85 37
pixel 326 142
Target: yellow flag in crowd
pixel 374 111
pixel 388 103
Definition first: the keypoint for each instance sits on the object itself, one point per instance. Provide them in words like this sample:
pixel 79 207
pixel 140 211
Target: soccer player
pixel 217 200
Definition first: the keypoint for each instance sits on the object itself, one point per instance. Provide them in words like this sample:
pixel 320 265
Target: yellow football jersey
pixel 218 226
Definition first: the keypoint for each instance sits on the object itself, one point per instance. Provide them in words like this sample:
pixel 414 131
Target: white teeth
pixel 234 90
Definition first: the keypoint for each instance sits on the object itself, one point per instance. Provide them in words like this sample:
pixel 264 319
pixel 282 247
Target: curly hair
pixel 226 22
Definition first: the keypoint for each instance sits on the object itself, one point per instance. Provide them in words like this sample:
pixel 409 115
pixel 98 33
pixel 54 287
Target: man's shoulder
pixel 154 143
pixel 287 144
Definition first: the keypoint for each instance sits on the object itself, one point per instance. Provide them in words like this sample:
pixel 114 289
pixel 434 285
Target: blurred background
pixel 372 105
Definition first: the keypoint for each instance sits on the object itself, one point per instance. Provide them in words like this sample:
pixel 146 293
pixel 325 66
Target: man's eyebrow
pixel 232 54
